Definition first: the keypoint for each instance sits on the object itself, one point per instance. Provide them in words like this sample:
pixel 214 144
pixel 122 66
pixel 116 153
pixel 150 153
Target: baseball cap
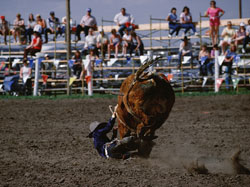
pixel 52 13
pixel 88 9
pixel 242 24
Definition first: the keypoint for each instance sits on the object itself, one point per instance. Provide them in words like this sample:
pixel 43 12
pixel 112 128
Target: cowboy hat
pixel 93 126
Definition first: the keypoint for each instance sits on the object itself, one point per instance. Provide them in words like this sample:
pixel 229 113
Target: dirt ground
pixel 43 143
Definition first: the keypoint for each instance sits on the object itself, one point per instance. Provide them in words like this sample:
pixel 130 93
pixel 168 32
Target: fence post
pixel 151 32
pixel 36 83
pixel 216 71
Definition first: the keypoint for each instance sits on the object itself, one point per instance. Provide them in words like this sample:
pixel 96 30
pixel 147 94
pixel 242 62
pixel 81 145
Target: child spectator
pixel 247 38
pixel 187 21
pixel 173 23
pixel 126 42
pixel 19 28
pixel 121 19
pixel 88 21
pixel 53 26
pixel 4 28
pixel 25 75
pixel 212 59
pixel 102 42
pixel 114 43
pixel 228 35
pixel 136 44
pixel 203 60
pixel 185 50
pixel 34 47
pixel 214 20
pixel 77 65
pixel 240 35
pixel 30 27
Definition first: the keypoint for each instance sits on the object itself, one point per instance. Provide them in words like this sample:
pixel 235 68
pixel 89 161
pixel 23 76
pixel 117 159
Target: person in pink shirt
pixel 214 20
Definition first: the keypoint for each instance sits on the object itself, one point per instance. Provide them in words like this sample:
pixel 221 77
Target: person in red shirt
pixel 34 47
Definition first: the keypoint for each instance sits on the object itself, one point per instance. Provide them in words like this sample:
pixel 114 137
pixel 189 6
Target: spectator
pixel 203 60
pixel 228 35
pixel 77 66
pixel 102 42
pixel 126 42
pixel 136 44
pixel 53 26
pixel 212 59
pixel 88 21
pixel 19 28
pixel 173 23
pixel 114 43
pixel 64 23
pixel 123 18
pixel 247 38
pixel 214 20
pixel 185 50
pixel 34 47
pixel 240 35
pixel 25 75
pixel 90 42
pixel 187 21
pixel 4 29
pixel 42 24
pixel 227 64
pixel 30 27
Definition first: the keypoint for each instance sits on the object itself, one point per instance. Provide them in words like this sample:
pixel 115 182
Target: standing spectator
pixel 102 42
pixel 247 38
pixel 42 23
pixel 136 44
pixel 185 50
pixel 114 43
pixel 4 28
pixel 227 64
pixel 204 60
pixel 228 35
pixel 126 42
pixel 35 46
pixel 123 18
pixel 90 42
pixel 214 20
pixel 240 35
pixel 19 28
pixel 77 66
pixel 173 23
pixel 25 75
pixel 88 21
pixel 187 21
pixel 31 24
pixel 53 26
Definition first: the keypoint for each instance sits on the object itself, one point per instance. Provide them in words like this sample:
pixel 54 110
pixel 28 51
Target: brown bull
pixel 144 103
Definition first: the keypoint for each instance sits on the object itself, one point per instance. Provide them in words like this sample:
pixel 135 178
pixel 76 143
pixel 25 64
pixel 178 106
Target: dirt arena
pixel 43 143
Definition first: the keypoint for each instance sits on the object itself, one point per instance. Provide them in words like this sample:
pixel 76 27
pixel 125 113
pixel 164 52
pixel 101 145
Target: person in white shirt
pixel 90 42
pixel 228 34
pixel 185 50
pixel 126 40
pixel 102 42
pixel 25 75
pixel 186 21
pixel 88 21
pixel 247 38
pixel 123 18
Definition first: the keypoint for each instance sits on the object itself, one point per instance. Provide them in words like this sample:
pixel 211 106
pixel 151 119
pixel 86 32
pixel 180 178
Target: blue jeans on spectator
pixel 188 54
pixel 122 28
pixel 28 33
pixel 188 26
pixel 227 71
pixel 210 66
pixel 175 28
pixel 246 41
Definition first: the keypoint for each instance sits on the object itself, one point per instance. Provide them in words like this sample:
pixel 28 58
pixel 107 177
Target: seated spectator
pixel 4 29
pixel 77 65
pixel 114 43
pixel 204 60
pixel 240 35
pixel 88 21
pixel 212 59
pixel 123 18
pixel 227 64
pixel 34 47
pixel 25 75
pixel 173 23
pixel 64 23
pixel 41 22
pixel 19 28
pixel 247 38
pixel 185 50
pixel 136 44
pixel 126 39
pixel 53 27
pixel 187 21
pixel 102 42
pixel 90 43
pixel 228 34
pixel 30 27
